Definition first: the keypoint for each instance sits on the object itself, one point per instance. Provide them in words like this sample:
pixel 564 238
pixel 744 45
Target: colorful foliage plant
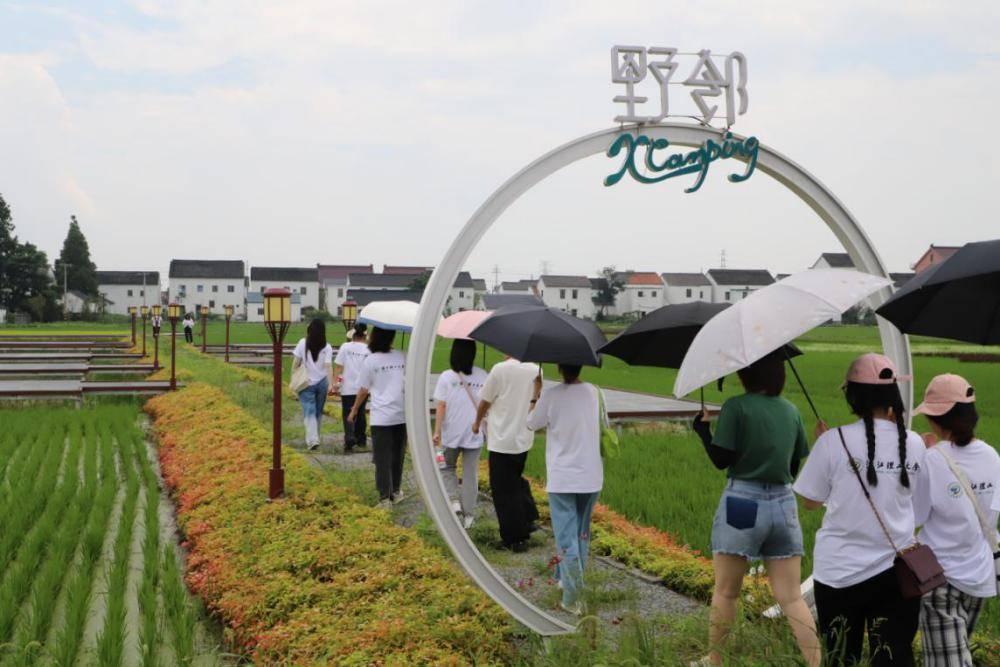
pixel 316 576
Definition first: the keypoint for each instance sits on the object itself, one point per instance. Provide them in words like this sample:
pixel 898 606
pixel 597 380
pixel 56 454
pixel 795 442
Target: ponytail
pixel 870 436
pixel 897 409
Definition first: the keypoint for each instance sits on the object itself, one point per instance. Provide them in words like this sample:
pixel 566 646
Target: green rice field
pixel 89 570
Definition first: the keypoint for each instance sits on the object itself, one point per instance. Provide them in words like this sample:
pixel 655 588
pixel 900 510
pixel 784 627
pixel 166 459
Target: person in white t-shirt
pixel 951 522
pixel 382 377
pixel 188 328
pixel 457 396
pixel 348 364
pixel 504 402
pixel 855 581
pixel 317 355
pixel 570 413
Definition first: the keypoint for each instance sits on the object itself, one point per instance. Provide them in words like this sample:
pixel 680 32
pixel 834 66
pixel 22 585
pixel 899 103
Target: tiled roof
pixel 295 275
pixel 128 278
pixel 741 276
pixel 643 278
pixel 479 284
pixel 900 279
pixel 380 280
pixel 494 301
pixel 685 279
pixel 838 260
pixel 205 268
pixel 464 280
pixel 257 297
pixel 365 296
pixel 566 281
pixel 519 286
pixel 406 270
pixel 341 271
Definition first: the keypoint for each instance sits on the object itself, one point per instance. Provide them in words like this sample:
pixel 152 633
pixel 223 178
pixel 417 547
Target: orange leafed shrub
pixel 317 576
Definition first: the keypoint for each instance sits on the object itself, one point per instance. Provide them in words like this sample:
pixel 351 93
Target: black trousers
pixel 515 507
pixel 388 451
pixel 875 604
pixel 189 334
pixel 355 434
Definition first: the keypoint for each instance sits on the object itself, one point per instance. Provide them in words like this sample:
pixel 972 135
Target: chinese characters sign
pixel 715 80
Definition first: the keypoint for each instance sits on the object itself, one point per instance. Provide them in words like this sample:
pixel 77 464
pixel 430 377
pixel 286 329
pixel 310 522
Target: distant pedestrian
pixel 349 363
pixel 856 585
pixel 457 395
pixel 383 376
pixel 952 503
pixel 506 397
pixel 760 440
pixel 188 328
pixel 571 414
pixel 317 355
pixel 157 323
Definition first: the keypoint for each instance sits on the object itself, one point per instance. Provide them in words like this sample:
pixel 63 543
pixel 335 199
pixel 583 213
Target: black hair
pixel 463 355
pixel 316 337
pixel 960 422
pixel 570 372
pixel 380 340
pixel 360 331
pixel 765 376
pixel 864 399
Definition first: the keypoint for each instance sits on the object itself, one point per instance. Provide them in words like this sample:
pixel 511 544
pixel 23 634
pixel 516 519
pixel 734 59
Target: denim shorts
pixel 757 520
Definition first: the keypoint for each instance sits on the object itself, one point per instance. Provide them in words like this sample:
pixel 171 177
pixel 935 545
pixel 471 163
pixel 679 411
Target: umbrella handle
pixel 702 398
pixel 801 384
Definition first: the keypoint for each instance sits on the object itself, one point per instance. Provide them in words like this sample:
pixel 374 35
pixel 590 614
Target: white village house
pixel 213 283
pixel 524 287
pixel 572 294
pixel 301 281
pixel 121 289
pixel 463 293
pixel 641 294
pixel 333 282
pixel 732 285
pixel 686 287
pixel 255 306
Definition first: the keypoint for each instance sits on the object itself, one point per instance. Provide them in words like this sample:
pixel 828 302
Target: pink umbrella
pixel 461 324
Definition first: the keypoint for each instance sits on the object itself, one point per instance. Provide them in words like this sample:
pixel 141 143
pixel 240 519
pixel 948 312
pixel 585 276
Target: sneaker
pixel 519 547
pixel 456 507
pixel 576 608
pixel 468 521
pixel 313 447
pixel 398 497
pixel 384 504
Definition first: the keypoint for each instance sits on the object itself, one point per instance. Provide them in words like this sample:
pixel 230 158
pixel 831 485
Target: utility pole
pixel 545 267
pixel 496 278
pixel 722 259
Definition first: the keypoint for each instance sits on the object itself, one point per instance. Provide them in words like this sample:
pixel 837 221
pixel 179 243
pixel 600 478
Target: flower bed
pixel 316 576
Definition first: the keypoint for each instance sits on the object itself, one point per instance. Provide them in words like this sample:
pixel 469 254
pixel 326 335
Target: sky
pixel 291 133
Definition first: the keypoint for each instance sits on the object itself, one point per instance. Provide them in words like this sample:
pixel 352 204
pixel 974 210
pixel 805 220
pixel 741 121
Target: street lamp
pixel 277 319
pixel 144 311
pixel 204 328
pixel 157 323
pixel 174 311
pixel 229 315
pixel 349 313
pixel 132 311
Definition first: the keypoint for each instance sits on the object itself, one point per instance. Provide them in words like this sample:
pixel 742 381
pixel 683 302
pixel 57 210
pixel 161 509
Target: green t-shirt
pixel 767 433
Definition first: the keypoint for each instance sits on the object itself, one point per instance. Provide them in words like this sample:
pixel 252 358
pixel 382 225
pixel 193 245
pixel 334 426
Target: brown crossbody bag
pixel 917 568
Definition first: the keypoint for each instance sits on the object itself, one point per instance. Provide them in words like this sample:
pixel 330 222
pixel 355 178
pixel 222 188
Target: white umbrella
pixel 395 315
pixel 768 319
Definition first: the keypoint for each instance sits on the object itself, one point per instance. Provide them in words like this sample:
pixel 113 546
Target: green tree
pixel 610 285
pixel 25 283
pixel 419 283
pixel 81 272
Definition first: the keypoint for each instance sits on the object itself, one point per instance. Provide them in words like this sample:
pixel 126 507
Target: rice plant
pixel 180 615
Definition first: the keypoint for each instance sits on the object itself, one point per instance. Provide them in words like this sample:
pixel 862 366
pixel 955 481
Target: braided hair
pixel 864 399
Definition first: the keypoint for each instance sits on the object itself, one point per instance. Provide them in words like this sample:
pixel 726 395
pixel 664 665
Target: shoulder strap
pixel 602 409
pixel 990 535
pixel 468 391
pixel 871 503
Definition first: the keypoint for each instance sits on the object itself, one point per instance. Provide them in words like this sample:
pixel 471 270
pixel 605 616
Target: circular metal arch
pixel 418 362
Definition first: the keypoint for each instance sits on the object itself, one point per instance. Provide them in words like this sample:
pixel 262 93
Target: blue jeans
pixel 313 398
pixel 757 520
pixel 571 525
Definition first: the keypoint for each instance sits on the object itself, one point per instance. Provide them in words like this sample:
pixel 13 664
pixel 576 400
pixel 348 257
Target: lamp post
pixel 277 319
pixel 349 313
pixel 204 328
pixel 144 311
pixel 157 323
pixel 229 316
pixel 132 311
pixel 174 311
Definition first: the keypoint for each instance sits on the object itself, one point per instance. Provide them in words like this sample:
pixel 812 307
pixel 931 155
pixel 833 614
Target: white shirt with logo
pixel 950 523
pixel 850 545
pixel 351 356
pixel 571 415
pixel 383 374
pixel 460 394
pixel 315 368
pixel 509 389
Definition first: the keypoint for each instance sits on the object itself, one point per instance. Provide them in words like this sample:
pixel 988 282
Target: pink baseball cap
pixel 943 392
pixel 874 368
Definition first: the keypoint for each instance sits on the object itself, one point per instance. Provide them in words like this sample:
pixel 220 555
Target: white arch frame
pixel 792 176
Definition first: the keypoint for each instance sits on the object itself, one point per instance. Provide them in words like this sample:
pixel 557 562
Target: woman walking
pixel 317 355
pixel 457 396
pixel 188 328
pixel 570 412
pixel 856 585
pixel 759 440
pixel 382 377
pixel 952 503
pixel 348 363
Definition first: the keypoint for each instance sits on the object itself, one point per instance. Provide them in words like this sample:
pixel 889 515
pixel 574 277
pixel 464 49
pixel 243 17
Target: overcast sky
pixel 290 133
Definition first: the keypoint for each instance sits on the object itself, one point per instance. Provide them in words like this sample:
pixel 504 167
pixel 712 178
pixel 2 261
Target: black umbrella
pixel 541 335
pixel 958 299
